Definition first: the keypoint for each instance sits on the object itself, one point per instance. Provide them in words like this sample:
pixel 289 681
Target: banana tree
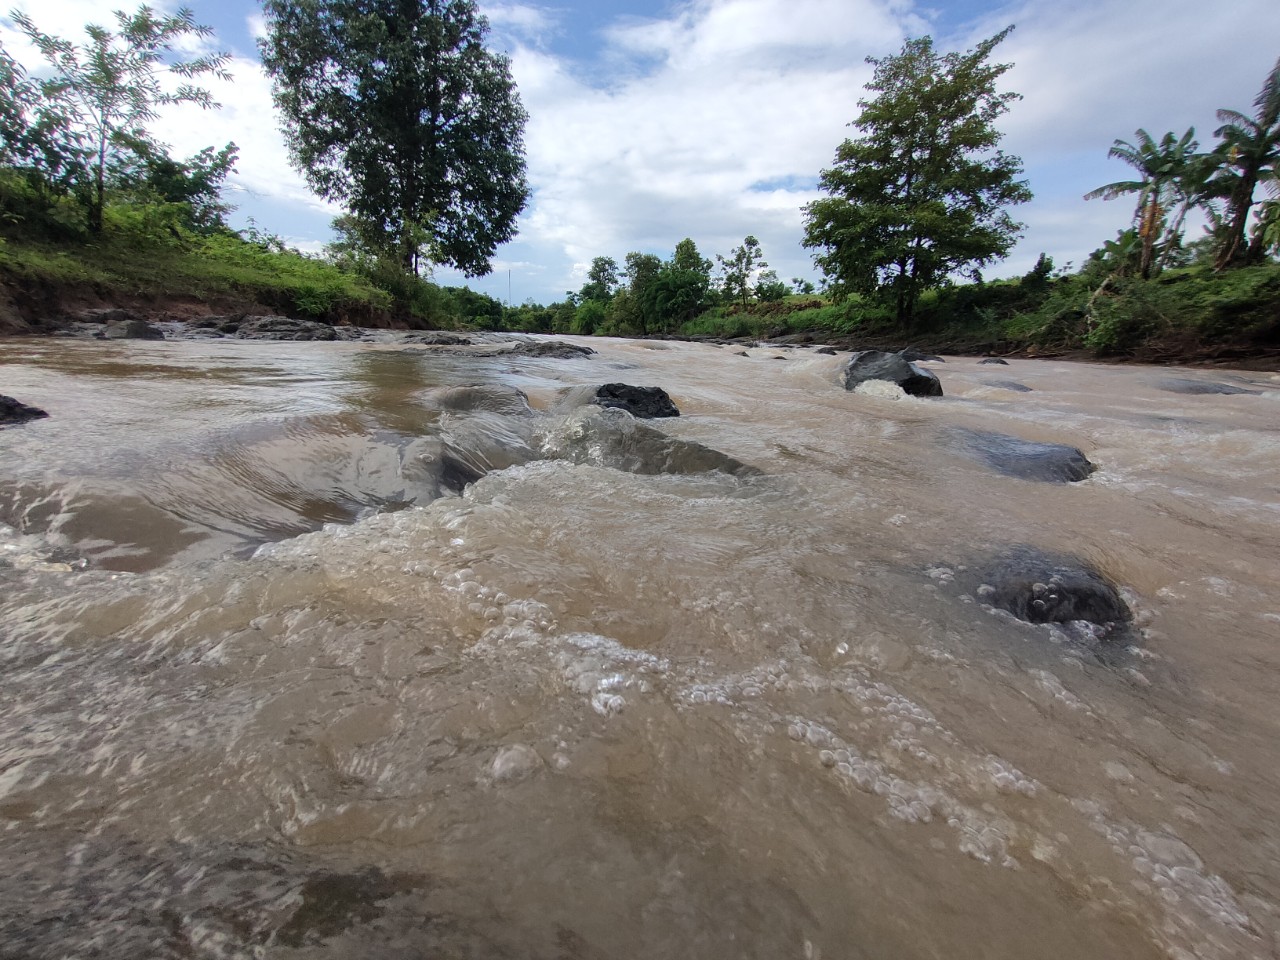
pixel 1168 170
pixel 1251 150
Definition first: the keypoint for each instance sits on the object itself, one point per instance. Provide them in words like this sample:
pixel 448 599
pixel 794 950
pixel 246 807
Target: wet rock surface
pixel 644 402
pixel 14 411
pixel 439 338
pixel 893 367
pixel 1041 587
pixel 1024 459
pixel 993 360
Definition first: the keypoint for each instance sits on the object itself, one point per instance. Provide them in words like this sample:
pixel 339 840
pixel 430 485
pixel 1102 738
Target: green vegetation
pixel 398 111
pixel 920 197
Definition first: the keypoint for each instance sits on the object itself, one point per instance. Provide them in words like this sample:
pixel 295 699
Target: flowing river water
pixel 342 650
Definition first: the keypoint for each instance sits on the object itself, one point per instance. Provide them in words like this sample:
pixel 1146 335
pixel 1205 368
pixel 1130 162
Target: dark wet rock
pixel 1041 587
pixel 490 398
pixel 278 328
pixel 1025 459
pixel 1013 385
pixel 878 365
pixel 1197 387
pixel 439 338
pixel 13 411
pixel 612 438
pixel 548 349
pixel 644 402
pixel 742 353
pixel 994 360
pixel 132 330
pixel 826 351
pixel 916 356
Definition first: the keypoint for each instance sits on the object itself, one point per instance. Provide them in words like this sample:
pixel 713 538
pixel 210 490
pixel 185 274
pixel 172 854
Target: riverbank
pixel 1190 316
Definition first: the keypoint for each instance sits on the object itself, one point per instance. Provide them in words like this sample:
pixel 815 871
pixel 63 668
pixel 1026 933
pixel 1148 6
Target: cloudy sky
pixel 653 121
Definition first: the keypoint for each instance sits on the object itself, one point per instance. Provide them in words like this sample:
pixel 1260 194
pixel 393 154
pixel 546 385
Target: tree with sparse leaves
pixel 738 270
pixel 396 109
pixel 922 194
pixel 100 96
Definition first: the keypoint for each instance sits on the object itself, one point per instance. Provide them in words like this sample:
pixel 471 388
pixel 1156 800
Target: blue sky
pixel 711 119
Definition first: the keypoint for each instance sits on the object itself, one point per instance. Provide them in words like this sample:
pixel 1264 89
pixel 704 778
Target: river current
pixel 325 650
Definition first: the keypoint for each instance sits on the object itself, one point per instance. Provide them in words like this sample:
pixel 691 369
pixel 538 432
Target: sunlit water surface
pixel 306 653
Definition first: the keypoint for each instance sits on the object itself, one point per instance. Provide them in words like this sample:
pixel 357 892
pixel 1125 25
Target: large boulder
pixel 1025 459
pixel 438 338
pixel 1041 587
pixel 893 367
pixel 644 402
pixel 12 411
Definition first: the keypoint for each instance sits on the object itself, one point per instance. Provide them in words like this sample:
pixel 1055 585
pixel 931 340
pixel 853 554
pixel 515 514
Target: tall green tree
pixel 602 280
pixel 396 109
pixel 107 90
pixel 922 193
pixel 1251 152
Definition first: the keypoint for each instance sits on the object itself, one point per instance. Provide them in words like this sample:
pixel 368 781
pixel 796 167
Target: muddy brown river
pixel 339 650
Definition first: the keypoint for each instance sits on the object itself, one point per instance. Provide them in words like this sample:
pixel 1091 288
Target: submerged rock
pixel 13 411
pixel 826 351
pixel 1189 386
pixel 994 360
pixel 488 398
pixel 1043 587
pixel 644 402
pixel 893 367
pixel 1013 385
pixel 1025 459
pixel 613 438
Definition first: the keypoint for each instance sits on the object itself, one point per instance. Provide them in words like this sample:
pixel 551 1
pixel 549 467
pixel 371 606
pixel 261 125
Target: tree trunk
pixel 1235 249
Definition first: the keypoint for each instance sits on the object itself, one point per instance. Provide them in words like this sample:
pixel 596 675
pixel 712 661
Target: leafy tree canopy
pixel 921 194
pixel 396 109
pixel 91 113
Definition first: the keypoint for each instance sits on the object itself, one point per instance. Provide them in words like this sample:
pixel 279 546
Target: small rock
pixel 513 762
pixel 994 360
pixel 644 402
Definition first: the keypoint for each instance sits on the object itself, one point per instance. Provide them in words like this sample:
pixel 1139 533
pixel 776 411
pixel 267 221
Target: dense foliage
pixel 921 195
pixel 396 109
